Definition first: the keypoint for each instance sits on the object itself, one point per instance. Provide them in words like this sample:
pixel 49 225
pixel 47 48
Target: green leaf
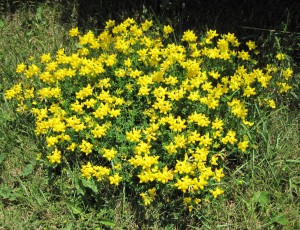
pixel 282 220
pixel 256 197
pixel 107 223
pixel 4 193
pixel 90 184
pixel 69 227
pixel 294 95
pixel 27 169
pixel 2 157
pixel 79 187
pixel 2 23
pixel 78 46
pixel 75 210
pixel 39 13
pixel 263 198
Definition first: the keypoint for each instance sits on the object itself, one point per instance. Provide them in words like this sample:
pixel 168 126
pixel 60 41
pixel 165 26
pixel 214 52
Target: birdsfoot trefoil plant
pixel 135 108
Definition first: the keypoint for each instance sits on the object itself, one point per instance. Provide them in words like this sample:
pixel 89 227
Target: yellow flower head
pixel 189 36
pixel 115 179
pixel 168 29
pixel 280 56
pixel 74 32
pixel 251 45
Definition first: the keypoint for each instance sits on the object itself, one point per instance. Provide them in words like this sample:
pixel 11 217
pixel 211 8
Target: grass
pixel 261 192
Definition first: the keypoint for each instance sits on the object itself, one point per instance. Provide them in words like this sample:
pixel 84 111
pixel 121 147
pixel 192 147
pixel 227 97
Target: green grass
pixel 262 191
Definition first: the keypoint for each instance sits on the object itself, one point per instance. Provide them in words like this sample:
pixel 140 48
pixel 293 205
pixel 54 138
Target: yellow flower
pixel 86 147
pixel 100 172
pixel 230 137
pixel 164 175
pixel 251 45
pixel 13 91
pixel 110 23
pixel 87 170
pixel 248 123
pixel 244 55
pixel 21 68
pixel 115 179
pixel 214 74
pixel 248 91
pixel 84 92
pixel 168 29
pixel 99 131
pixel 38 156
pixel 146 199
pixel 32 70
pixel 134 135
pixel 101 111
pixel 115 112
pixel 146 25
pixel 72 147
pixel 287 73
pixel 280 56
pixel 74 32
pixel 217 124
pixel 214 159
pixel 171 148
pixel 223 45
pixel 197 200
pixel 29 93
pixel 238 108
pixel 272 103
pixel 109 154
pixel 187 200
pixel 284 87
pixel 180 141
pixel 152 192
pixel 193 137
pixel 77 107
pixel 243 145
pixel 189 36
pixel 51 141
pixel 219 174
pixel 128 62
pixel 211 34
pixel 199 118
pixel 162 105
pixel 45 58
pixel 217 192
pixel 176 125
pixel 118 166
pixel 55 157
pixel 184 183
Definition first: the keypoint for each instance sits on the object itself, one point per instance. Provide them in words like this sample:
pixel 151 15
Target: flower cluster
pixel 142 109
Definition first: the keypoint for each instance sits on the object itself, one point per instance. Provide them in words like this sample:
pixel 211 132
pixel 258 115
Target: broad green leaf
pixel 27 169
pixel 263 198
pixel 69 227
pixel 90 184
pixel 294 95
pixel 2 23
pixel 39 13
pixel 79 187
pixel 75 210
pixel 282 220
pixel 2 157
pixel 107 223
pixel 73 205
